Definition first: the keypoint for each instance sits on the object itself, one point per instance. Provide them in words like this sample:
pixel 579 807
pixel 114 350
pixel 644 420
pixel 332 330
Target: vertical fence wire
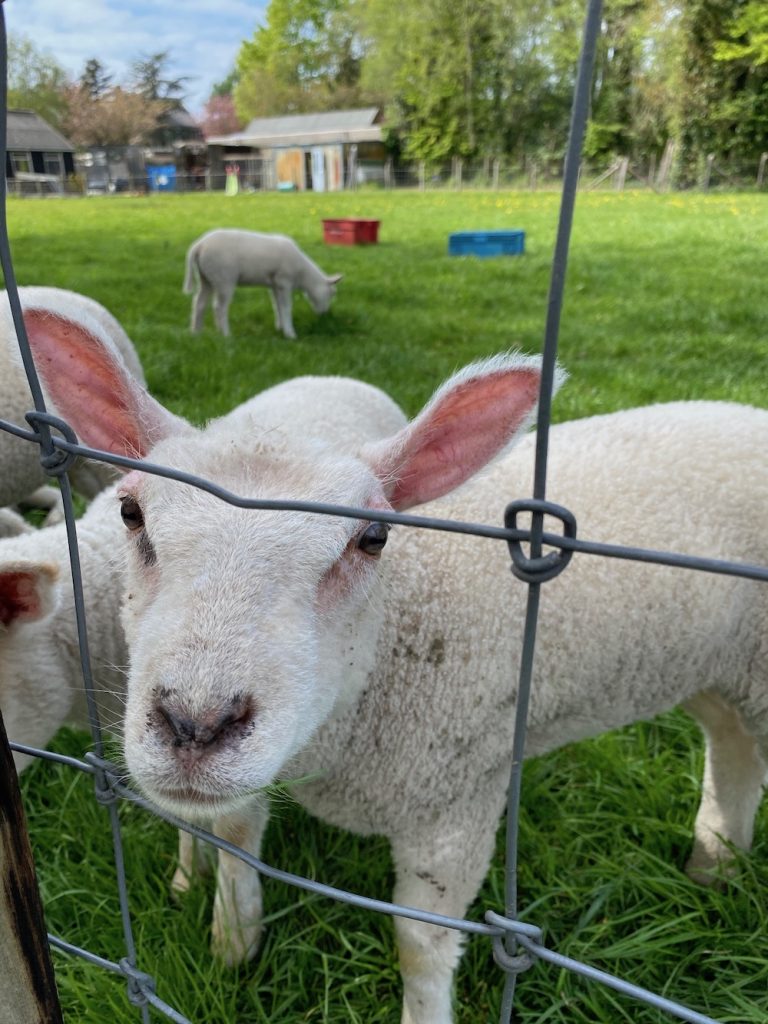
pixel 57 466
pixel 551 334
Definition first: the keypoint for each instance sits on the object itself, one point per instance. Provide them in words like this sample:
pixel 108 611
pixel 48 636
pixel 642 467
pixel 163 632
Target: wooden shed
pixel 323 151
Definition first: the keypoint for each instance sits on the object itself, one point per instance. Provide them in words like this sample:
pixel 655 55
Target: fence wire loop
pixel 140 985
pixel 545 567
pixel 511 930
pixel 54 461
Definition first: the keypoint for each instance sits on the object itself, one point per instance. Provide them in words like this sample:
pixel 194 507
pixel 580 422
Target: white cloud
pixel 201 36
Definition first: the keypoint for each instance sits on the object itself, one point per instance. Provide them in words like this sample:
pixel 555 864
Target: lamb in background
pixel 224 258
pixel 20 471
pixel 384 678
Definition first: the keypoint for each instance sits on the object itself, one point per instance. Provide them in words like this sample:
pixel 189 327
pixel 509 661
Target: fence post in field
pixel 496 171
pixel 456 173
pixel 533 176
pixel 27 987
pixel 422 176
pixel 665 167
pixel 708 171
pixel 388 176
pixel 761 169
pixel 621 173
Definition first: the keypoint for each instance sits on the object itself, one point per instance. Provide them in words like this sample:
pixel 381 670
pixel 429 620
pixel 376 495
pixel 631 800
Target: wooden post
pixel 27 987
pixel 388 176
pixel 621 173
pixel 761 169
pixel 665 167
pixel 422 175
pixel 708 171
pixel 496 171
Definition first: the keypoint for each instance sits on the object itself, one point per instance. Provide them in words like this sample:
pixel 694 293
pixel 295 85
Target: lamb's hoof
pixel 235 946
pixel 704 869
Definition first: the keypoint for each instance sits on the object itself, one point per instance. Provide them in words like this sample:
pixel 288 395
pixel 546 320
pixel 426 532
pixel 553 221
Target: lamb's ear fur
pixel 472 417
pixel 28 591
pixel 92 389
pixel 334 278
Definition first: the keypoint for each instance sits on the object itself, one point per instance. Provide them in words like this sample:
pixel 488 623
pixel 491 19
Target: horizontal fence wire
pixel 507 934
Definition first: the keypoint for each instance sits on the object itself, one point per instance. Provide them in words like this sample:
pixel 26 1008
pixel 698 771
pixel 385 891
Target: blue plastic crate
pixel 486 243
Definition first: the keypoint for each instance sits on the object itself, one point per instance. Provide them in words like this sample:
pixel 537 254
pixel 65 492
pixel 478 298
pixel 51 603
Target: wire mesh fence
pixel 515 944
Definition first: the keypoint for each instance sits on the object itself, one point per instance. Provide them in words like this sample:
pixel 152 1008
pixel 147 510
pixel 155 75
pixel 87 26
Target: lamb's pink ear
pixel 27 591
pixel 473 416
pixel 92 389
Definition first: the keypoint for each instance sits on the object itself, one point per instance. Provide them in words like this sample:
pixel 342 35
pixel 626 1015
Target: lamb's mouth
pixel 189 802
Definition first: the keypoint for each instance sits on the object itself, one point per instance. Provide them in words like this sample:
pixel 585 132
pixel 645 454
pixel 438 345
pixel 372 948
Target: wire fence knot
pixel 140 985
pixel 512 963
pixel 102 779
pixel 545 567
pixel 54 461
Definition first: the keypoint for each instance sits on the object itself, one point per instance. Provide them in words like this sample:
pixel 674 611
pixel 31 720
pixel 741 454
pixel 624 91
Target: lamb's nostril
pixel 215 725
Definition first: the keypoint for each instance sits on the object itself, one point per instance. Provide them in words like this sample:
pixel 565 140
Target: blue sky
pixel 202 36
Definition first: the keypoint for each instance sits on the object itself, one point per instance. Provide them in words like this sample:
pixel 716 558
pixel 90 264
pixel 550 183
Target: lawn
pixel 665 300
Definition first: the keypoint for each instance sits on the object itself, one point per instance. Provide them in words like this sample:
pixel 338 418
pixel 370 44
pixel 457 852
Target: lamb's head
pixel 235 618
pixel 241 623
pixel 320 291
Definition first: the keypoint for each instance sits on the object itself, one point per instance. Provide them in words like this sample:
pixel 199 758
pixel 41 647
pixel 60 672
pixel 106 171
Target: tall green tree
pixel 306 57
pixel 36 81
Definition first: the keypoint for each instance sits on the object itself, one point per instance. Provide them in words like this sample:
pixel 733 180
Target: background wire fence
pixel 516 945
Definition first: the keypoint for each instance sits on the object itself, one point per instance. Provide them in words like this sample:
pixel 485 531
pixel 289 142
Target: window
pixel 53 164
pixel 21 163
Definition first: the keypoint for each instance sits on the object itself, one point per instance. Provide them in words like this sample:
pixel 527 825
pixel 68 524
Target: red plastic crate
pixel 351 231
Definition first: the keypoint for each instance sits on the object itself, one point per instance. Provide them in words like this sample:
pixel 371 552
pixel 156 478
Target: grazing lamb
pixel 20 469
pixel 222 259
pixel 287 645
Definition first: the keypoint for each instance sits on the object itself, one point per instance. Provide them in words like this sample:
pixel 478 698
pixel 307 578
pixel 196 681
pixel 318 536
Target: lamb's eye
pixel 131 512
pixel 373 538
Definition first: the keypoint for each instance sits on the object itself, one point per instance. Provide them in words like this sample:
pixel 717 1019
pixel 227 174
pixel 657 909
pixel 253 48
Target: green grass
pixel 665 299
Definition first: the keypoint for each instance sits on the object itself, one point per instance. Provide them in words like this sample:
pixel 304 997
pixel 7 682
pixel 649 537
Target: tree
pixel 36 81
pixel 95 79
pixel 219 116
pixel 308 56
pixel 116 118
pixel 149 79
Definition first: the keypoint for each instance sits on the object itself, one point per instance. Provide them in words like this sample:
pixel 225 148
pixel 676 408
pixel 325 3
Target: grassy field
pixel 665 299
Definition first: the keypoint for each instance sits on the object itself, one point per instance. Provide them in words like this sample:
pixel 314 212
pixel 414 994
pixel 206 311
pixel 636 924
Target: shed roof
pixel 28 132
pixel 307 129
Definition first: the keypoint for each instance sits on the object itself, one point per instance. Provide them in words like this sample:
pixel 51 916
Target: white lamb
pixel 20 471
pixel 40 674
pixel 271 645
pixel 226 257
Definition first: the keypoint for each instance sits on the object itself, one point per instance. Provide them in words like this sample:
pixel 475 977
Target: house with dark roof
pixel 38 158
pixel 324 151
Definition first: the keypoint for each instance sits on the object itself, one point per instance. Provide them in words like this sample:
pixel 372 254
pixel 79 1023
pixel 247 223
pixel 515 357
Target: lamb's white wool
pixel 280 645
pixel 20 469
pixel 224 258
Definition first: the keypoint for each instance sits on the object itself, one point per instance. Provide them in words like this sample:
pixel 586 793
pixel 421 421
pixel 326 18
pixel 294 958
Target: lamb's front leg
pixel 283 302
pixel 440 870
pixel 236 928
pixel 734 775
